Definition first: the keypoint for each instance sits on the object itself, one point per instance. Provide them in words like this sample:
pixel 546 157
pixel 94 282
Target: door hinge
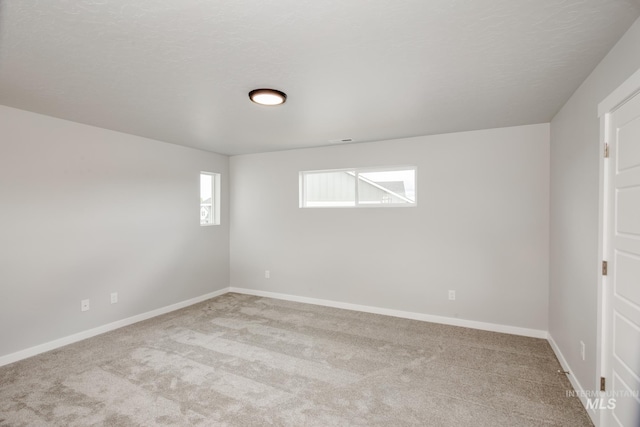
pixel 604 268
pixel 606 150
pixel 603 384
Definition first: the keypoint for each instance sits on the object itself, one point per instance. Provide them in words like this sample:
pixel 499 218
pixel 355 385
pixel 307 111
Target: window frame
pixel 357 171
pixel 215 198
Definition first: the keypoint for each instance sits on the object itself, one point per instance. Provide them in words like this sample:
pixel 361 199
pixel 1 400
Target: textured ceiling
pixel 180 71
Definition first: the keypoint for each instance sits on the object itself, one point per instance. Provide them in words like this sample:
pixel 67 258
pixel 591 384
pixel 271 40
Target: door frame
pixel 626 91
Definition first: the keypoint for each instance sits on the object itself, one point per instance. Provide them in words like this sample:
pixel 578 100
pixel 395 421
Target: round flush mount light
pixel 267 96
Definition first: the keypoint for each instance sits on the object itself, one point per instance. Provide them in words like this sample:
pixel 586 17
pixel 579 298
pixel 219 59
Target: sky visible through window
pixel 205 187
pixel 406 176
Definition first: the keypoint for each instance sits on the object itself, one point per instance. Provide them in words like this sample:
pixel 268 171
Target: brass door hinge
pixel 602 384
pixel 604 268
pixel 606 150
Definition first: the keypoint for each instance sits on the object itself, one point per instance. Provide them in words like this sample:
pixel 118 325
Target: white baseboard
pixel 535 333
pixel 493 327
pixel 582 395
pixel 51 345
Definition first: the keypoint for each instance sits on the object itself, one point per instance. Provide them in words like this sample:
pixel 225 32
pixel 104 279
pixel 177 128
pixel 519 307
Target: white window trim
pixel 356 172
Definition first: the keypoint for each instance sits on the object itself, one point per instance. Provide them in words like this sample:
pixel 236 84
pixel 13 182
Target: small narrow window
pixel 209 198
pixel 380 187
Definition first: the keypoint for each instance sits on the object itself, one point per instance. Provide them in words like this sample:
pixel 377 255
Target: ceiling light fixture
pixel 267 96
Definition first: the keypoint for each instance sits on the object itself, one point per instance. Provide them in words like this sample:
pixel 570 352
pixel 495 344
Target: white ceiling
pixel 180 71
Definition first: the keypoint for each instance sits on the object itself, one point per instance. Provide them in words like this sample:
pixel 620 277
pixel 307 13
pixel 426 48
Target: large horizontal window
pixel 383 187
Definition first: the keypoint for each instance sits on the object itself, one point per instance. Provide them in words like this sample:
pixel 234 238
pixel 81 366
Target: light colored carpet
pixel 239 360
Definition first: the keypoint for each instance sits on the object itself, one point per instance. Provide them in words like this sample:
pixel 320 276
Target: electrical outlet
pixel 452 295
pixel 582 351
pixel 114 297
pixel 84 305
pixel 267 274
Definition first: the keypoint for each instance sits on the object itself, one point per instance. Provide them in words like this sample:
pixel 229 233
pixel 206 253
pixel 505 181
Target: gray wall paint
pixel 481 228
pixel 574 257
pixel 86 212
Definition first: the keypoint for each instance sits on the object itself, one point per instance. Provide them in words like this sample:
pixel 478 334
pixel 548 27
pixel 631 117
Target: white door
pixel 622 284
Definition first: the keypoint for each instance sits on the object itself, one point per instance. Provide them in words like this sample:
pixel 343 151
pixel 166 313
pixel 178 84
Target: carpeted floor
pixel 239 360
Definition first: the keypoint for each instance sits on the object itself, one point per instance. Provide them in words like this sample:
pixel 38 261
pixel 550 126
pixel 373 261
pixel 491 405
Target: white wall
pixel 574 257
pixel 481 228
pixel 85 212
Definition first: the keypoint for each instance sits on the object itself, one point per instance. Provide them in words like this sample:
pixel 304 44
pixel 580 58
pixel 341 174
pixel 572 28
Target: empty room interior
pixel 331 213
